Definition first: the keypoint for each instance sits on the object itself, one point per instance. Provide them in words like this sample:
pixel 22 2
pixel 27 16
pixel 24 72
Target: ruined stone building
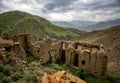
pixel 11 52
pixel 91 58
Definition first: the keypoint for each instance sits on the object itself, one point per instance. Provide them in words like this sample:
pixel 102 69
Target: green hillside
pixel 16 22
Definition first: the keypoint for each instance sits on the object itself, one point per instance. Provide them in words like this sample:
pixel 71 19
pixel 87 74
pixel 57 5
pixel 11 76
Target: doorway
pixel 75 63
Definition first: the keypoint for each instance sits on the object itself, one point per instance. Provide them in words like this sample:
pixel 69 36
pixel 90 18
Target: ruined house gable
pixel 91 58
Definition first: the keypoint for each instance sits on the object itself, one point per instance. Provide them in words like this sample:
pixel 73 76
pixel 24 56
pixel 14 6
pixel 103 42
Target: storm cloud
pixel 66 10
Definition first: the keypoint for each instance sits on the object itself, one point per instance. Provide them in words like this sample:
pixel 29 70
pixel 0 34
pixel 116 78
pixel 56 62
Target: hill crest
pixel 16 22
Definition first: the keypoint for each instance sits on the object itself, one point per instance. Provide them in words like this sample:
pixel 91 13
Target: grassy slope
pixel 21 22
pixel 110 38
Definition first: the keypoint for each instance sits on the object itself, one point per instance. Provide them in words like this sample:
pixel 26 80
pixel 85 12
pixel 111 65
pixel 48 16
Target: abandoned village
pixel 91 58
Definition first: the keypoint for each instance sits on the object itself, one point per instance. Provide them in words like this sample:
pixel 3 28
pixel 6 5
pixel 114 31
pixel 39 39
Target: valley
pixel 32 48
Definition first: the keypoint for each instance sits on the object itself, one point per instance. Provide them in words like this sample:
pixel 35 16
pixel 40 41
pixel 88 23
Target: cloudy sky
pixel 66 10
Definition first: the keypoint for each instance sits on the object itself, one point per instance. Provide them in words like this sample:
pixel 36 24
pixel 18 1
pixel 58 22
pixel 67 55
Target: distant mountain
pixel 88 25
pixel 63 24
pixel 101 25
pixel 79 23
pixel 16 22
pixel 74 23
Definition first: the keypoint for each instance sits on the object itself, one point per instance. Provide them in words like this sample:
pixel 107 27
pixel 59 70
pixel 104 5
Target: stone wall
pixel 13 50
pixel 91 58
pixel 42 49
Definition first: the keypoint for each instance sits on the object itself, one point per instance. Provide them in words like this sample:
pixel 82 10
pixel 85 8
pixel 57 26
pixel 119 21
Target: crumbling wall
pixel 70 51
pixel 19 51
pixel 22 38
pixel 13 50
pixel 47 44
pixel 91 58
pixel 101 65
pixel 41 49
pixel 56 51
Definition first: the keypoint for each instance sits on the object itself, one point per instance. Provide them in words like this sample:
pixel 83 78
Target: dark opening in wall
pixel 63 55
pixel 28 47
pixel 38 51
pixel 75 63
pixel 8 48
pixel 76 47
pixel 83 62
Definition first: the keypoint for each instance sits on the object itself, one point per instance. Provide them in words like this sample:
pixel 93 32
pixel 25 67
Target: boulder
pixel 61 77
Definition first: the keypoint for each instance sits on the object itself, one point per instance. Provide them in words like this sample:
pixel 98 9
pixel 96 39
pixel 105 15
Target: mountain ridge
pixel 103 25
pixel 16 22
pixel 74 23
pixel 88 25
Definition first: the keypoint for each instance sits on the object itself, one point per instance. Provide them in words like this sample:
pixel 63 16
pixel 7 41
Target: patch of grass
pixel 60 67
pixel 9 58
pixel 31 67
pixel 17 75
pixel 39 73
pixel 113 77
pixel 17 67
pixel 7 70
pixel 90 78
pixel 5 74
pixel 1 67
pixel 6 80
pixel 31 58
pixel 2 75
pixel 30 77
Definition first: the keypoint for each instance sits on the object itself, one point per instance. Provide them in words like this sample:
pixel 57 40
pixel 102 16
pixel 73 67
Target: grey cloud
pixel 95 7
pixel 100 6
pixel 59 5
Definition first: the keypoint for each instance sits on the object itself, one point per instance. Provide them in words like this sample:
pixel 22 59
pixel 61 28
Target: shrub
pixel 55 66
pixel 7 80
pixel 41 67
pixel 9 59
pixel 2 75
pixel 17 75
pixel 82 74
pixel 30 77
pixel 31 68
pixel 17 67
pixel 111 79
pixel 1 67
pixel 31 58
pixel 7 70
pixel 39 73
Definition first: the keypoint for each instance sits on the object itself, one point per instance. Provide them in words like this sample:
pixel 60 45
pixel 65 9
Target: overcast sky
pixel 66 10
